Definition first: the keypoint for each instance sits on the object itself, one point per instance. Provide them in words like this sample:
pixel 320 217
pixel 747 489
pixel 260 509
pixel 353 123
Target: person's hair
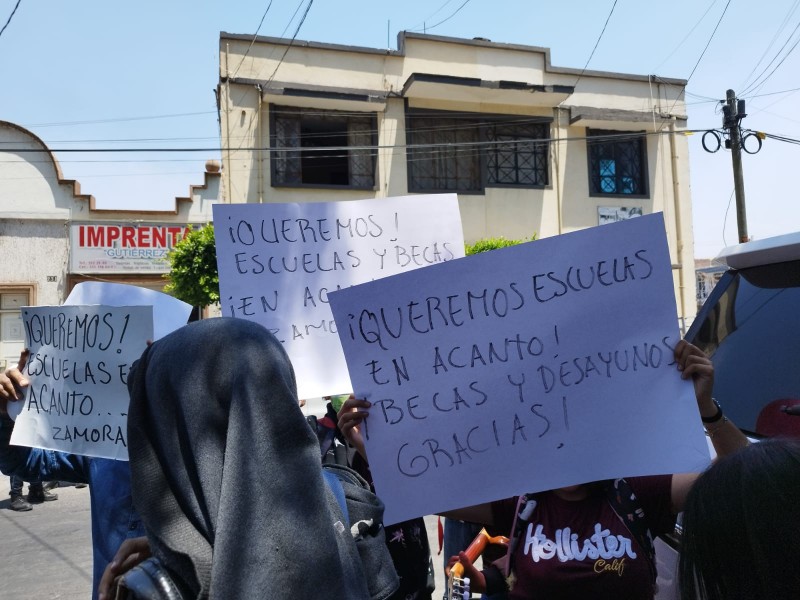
pixel 741 530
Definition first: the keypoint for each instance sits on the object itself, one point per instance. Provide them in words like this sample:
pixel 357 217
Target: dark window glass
pixel 617 163
pixel 751 328
pixel 468 153
pixel 512 158
pixel 328 148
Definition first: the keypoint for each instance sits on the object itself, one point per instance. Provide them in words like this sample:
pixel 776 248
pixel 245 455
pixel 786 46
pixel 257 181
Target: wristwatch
pixel 716 416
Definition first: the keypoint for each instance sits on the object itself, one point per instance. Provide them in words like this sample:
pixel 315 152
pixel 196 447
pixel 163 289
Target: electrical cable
pixel 618 136
pixel 686 37
pixel 449 17
pixel 288 47
pixel 121 119
pixel 788 16
pixel 11 16
pixel 727 4
pixel 755 85
pixel 597 43
pixel 253 41
pixel 702 54
pixel 421 26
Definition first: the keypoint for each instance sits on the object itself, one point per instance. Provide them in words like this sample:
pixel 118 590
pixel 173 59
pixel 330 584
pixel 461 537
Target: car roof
pixel 771 250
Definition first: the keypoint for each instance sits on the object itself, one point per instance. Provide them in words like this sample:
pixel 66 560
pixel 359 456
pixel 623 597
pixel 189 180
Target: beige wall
pixel 605 101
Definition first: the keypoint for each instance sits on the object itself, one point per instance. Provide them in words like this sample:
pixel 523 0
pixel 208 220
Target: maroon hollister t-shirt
pixel 580 550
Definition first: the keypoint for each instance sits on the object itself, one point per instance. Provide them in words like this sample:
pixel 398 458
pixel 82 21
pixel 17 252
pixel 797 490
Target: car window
pixel 750 326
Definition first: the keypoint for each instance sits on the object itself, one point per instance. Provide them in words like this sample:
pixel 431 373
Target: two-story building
pixel 529 148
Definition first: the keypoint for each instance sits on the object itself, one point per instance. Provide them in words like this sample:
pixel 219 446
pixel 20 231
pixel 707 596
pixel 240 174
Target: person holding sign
pixel 591 540
pixel 113 517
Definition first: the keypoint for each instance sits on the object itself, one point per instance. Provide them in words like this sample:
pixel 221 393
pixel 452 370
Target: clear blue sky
pixel 92 73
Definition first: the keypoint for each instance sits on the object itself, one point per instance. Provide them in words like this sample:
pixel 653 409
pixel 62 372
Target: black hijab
pixel 226 472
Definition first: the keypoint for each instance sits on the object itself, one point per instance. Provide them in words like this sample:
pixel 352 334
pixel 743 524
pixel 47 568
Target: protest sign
pixel 524 369
pixel 277 263
pixel 169 313
pixel 78 366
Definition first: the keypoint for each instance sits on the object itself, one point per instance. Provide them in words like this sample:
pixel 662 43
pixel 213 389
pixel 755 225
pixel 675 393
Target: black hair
pixel 741 528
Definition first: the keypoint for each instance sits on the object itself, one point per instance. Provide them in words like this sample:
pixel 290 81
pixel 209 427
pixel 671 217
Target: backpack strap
pixel 627 507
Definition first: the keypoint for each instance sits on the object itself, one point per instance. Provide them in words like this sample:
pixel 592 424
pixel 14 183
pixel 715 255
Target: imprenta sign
pixel 107 248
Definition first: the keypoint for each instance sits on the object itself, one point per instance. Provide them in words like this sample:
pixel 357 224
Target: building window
pixel 617 163
pixel 333 148
pixel 12 332
pixel 471 152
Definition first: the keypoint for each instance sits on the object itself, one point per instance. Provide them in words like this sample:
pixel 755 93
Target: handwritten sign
pixel 523 369
pixel 80 357
pixel 278 262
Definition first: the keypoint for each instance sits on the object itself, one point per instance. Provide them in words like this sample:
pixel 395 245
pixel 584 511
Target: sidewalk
pixel 47 552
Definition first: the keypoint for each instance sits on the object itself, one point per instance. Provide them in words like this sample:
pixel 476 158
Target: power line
pixel 755 83
pixel 709 41
pixel 373 147
pixel 788 16
pixel 253 41
pixel 296 31
pixel 421 26
pixel 11 16
pixel 121 119
pixel 686 37
pixel 597 43
pixel 702 54
pixel 453 14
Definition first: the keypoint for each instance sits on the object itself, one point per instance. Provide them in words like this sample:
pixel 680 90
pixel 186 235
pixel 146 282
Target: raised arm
pixel 725 436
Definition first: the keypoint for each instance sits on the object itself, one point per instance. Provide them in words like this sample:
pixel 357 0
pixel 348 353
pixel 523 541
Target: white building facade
pixel 52 236
pixel 530 149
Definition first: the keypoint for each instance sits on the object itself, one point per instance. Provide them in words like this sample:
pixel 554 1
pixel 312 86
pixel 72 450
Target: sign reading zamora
pixel 118 248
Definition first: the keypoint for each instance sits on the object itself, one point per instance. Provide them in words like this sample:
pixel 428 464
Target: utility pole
pixel 733 113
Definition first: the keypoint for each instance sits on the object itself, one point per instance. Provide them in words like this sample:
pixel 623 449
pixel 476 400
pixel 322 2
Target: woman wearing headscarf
pixel 226 472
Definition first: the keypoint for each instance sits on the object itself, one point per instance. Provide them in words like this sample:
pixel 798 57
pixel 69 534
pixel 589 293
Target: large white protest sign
pixel 78 366
pixel 169 313
pixel 277 263
pixel 529 368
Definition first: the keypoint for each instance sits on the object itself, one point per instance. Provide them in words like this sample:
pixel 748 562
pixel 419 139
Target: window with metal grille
pixel 617 163
pixel 322 148
pixel 470 152
pixel 512 158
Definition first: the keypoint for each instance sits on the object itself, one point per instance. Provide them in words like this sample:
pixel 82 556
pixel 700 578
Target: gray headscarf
pixel 226 472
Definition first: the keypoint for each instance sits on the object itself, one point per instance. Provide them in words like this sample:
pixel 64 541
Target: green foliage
pixel 487 244
pixel 193 275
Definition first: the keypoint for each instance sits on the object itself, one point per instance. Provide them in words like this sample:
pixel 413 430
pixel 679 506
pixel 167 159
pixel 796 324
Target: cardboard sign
pixel 80 357
pixel 529 368
pixel 278 262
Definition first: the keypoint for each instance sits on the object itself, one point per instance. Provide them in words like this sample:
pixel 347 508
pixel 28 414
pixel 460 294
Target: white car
pixel 750 326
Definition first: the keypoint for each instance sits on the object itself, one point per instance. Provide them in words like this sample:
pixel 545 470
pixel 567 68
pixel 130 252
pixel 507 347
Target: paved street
pixel 47 551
